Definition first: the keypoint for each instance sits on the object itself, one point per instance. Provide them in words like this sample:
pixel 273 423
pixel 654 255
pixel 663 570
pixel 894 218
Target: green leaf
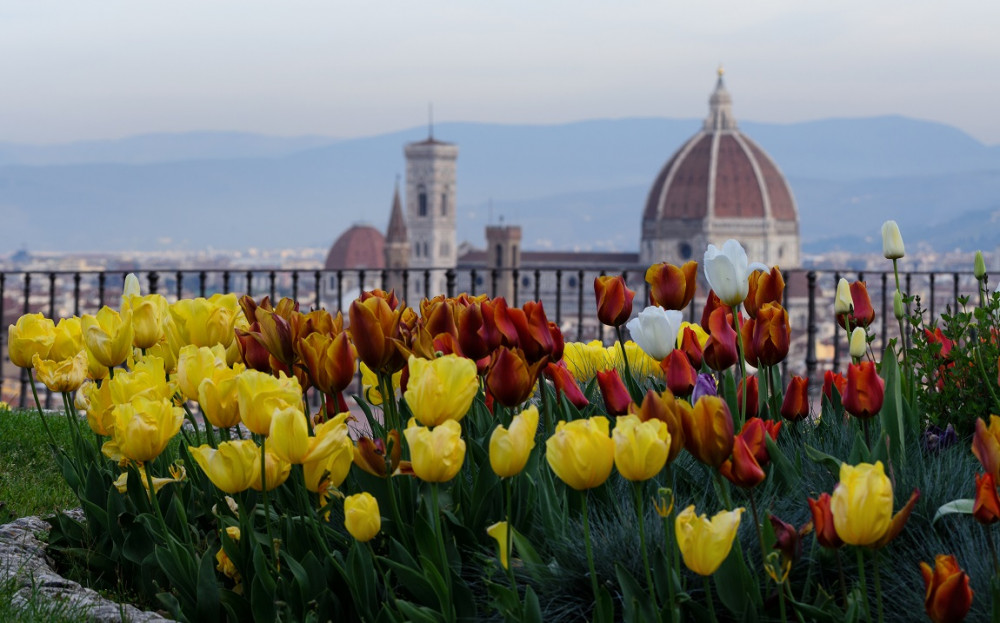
pixel 604 609
pixel 963 506
pixel 892 415
pixel 532 612
pixel 783 468
pixel 831 463
pixel 635 599
pixel 525 549
pixel 262 600
pixel 208 589
pixel 417 614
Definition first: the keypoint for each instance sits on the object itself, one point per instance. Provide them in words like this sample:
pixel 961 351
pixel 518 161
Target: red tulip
pixel 679 373
pixel 742 469
pixel 712 302
pixel 691 346
pixel 795 406
pixel 510 378
pixel 948 596
pixel 863 313
pixel 566 384
pixel 771 334
pixel 720 349
pixel 986 445
pixel 826 534
pixel 764 288
pixel 616 397
pixel 833 379
pixel 752 395
pixel 865 390
pixel 987 507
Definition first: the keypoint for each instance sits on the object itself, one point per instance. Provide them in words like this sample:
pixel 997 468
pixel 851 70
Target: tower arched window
pixel 421 200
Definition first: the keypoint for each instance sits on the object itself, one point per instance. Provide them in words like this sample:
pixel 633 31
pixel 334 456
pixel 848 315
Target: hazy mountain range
pixel 579 185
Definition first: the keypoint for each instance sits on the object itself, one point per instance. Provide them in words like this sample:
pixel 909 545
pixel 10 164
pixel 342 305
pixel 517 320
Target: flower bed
pixel 492 471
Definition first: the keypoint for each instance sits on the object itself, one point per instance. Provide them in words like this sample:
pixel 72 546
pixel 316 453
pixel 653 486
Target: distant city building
pixel 720 185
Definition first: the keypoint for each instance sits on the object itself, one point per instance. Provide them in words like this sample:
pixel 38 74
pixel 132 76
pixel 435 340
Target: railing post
pixel 202 278
pixel 515 275
pixel 906 325
pixel 3 335
pixel 249 288
pixel 406 284
pixel 579 307
pixel 811 327
pixel 295 285
pixel 385 280
pixel 427 284
pixel 76 294
pixel 493 283
pixel 954 279
pixel 52 315
pixel 154 281
pixel 836 325
pixel 271 285
pixel 225 282
pixel 785 276
pixel 885 310
pixel 180 284
pixel 931 276
pixel 318 301
pixel 538 287
pixel 101 279
pixel 473 273
pixel 26 310
pixel 340 291
pixel 449 276
pixel 559 297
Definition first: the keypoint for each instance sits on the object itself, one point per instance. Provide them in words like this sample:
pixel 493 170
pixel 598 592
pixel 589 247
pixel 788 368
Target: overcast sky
pixel 111 68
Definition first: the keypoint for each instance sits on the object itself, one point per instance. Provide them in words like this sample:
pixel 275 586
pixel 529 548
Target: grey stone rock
pixel 23 560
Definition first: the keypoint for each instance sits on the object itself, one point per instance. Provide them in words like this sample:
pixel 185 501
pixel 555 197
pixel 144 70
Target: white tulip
pixel 130 289
pixel 892 241
pixel 859 342
pixel 844 301
pixel 655 330
pixel 727 271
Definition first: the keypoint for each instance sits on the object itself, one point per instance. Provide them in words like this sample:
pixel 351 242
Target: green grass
pixel 36 609
pixel 30 480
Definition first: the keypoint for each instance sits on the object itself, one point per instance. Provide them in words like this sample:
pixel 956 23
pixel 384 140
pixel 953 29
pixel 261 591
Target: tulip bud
pixel 892 241
pixel 898 310
pixel 361 516
pixel 861 504
pixel 844 302
pixel 986 508
pixel 859 343
pixel 979 266
pixel 864 392
pixel 948 596
pixel 614 300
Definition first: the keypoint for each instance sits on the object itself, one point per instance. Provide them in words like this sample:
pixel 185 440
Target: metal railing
pixel 565 291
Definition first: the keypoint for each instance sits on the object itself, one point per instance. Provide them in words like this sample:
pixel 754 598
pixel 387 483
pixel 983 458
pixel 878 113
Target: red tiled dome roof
pixel 720 173
pixel 361 246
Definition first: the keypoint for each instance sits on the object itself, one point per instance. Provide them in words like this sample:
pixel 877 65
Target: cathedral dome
pixel 361 246
pixel 718 185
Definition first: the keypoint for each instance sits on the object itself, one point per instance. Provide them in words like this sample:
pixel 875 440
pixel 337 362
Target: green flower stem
pixel 263 490
pixel 38 405
pixel 902 332
pixel 781 603
pixel 743 363
pixel 590 549
pixel 723 491
pixel 449 607
pixel 388 404
pixel 194 425
pixel 993 551
pixel 630 383
pixel 864 584
pixel 637 488
pixel 668 531
pixel 159 513
pixel 982 370
pixel 397 519
pixel 878 586
pixel 509 486
pixel 710 599
pixel 546 407
pixel 840 575
pixel 756 525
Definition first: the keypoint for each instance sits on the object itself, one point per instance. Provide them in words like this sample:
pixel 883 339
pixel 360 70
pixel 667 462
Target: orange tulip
pixel 671 287
pixel 865 390
pixel 747 328
pixel 330 361
pixel 742 468
pixel 373 326
pixel 948 596
pixel 826 533
pixel 987 506
pixel 720 350
pixel 708 431
pixel 863 313
pixel 679 373
pixel 765 287
pixel 533 335
pixel 712 302
pixel 771 334
pixel 614 300
pixel 566 384
pixel 616 397
pixel 753 434
pixel 664 407
pixel 795 406
pixel 986 446
pixel 510 379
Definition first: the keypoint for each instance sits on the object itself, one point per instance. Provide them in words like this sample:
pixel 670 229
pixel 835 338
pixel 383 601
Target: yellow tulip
pixel 146 379
pixel 584 361
pixel 641 364
pixel 95 370
pixel 289 436
pixel 34 334
pixel 68 339
pixel 259 395
pixel 511 448
pixel 581 453
pixel 218 398
pixel 330 471
pixel 441 389
pixel 142 429
pixel 177 474
pixel 195 364
pixel 361 516
pixel 62 376
pixel 206 322
pixel 861 504
pixel 232 466
pixel 705 544
pixel 169 347
pixel 99 407
pixel 108 336
pixel 498 531
pixel 436 454
pixel 148 313
pixel 277 471
pixel 641 448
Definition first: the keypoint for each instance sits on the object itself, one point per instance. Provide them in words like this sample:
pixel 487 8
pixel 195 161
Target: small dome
pixel 720 173
pixel 361 246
